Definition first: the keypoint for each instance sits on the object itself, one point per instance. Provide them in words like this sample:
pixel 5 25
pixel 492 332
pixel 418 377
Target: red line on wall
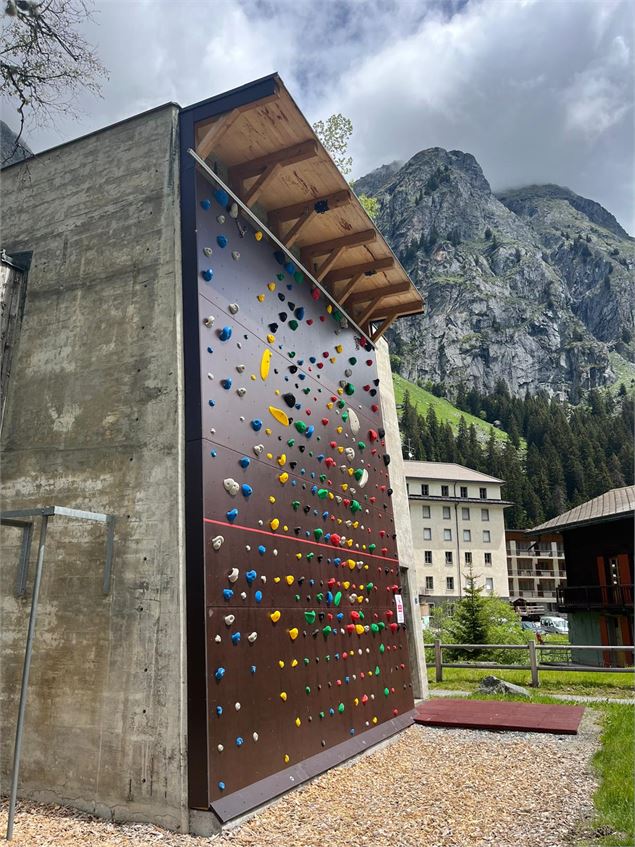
pixel 299 540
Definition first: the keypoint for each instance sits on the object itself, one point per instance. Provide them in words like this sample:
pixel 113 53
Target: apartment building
pixel 457 517
pixel 536 569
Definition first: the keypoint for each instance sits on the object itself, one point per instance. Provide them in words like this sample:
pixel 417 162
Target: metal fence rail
pixel 534 665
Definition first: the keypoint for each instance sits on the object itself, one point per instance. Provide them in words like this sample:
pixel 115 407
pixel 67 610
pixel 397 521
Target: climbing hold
pixel 265 363
pixel 217 542
pixel 279 415
pixel 208 274
pixel 250 576
pixel 252 637
pixel 221 785
pixel 229 619
pixel 205 204
pixel 309 616
pixel 256 425
pixel 221 240
pixel 231 515
pixel 274 524
pixel 293 633
pixel 236 638
pixel 283 695
pixel 283 477
pixel 235 255
pixel 227 594
pixel 275 616
pixel 231 486
pixel 258 235
pixel 233 308
pixel 221 196
pixel 246 489
pixel 219 673
pixel 232 576
pixel 244 462
pixel 225 333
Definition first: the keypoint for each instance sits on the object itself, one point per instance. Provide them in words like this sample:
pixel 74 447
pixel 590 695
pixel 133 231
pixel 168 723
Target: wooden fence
pixel 534 664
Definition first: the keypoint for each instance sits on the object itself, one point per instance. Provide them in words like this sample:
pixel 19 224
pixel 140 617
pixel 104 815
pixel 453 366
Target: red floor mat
pixel 496 714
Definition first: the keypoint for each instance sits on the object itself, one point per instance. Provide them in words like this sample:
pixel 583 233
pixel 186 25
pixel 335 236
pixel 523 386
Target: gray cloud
pixel 537 90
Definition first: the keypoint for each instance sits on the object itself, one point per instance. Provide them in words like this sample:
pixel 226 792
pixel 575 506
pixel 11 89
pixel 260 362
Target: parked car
pixel 555 624
pixel 532 626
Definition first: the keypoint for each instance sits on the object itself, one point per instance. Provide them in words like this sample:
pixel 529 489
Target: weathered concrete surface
pixel 403 526
pixel 94 420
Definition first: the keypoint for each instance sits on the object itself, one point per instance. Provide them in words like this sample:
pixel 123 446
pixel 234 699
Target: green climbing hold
pixel 340 404
pixel 298 276
pixel 293 324
pixel 361 445
pixel 374 627
pixel 327 658
pixel 310 556
pixel 386 691
pixel 292 354
pixel 323 493
pixel 344 416
pixel 372 547
pixel 337 315
pixel 300 426
pixel 309 616
pixel 355 507
pixel 290 442
pixel 306 661
pixel 307 689
pixel 352 360
pixel 358 473
pixel 326 629
pixel 361 615
pixel 337 599
pixel 370 586
pixel 349 388
pixel 382 625
pixel 297 598
pixel 319 597
pixel 306 390
pixel 340 708
pixel 318 533
pixel 377 671
pixel 280 277
pixel 382 648
pixel 322 477
pixel 296 505
pixel 322 715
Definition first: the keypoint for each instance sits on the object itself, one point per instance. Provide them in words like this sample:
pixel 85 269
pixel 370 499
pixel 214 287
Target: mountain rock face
pixel 532 287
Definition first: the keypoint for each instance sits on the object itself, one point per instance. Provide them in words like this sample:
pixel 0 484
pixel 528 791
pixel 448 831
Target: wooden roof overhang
pixel 277 167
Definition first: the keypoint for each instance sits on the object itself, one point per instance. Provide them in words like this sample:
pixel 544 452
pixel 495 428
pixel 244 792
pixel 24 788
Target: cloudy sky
pixel 537 90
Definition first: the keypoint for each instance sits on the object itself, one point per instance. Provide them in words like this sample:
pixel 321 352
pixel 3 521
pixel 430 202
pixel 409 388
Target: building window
pixel 465 514
pixel 407 488
pixel 489 584
pixel 467 535
pixel 427 557
pixel 464 491
pixel 427 533
pixel 488 558
pixel 425 490
pixel 487 536
pixel 484 514
pixel 429 583
pixel 446 513
pixel 482 493
pixel 447 535
pixel 426 511
pixel 448 557
pixel 449 583
pixel 445 491
pixel 468 558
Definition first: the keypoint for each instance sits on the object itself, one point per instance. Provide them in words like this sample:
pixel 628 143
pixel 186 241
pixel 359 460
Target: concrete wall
pixel 94 420
pixel 402 522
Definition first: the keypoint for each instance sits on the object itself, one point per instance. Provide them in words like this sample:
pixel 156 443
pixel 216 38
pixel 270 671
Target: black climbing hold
pixel 289 399
pixel 273 327
pixel 386 459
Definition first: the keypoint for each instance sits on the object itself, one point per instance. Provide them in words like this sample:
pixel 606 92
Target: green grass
pixel 624 373
pixel 444 410
pixel 615 798
pixel 557 682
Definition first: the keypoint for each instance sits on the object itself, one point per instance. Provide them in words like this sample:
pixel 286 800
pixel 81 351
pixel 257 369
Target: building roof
pixel 446 471
pixel 279 169
pixel 614 504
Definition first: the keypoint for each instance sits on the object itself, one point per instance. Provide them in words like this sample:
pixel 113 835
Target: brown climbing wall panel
pixel 303 648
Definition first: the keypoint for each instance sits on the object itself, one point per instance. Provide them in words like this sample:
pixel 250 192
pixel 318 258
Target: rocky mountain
pixel 11 150
pixel 532 286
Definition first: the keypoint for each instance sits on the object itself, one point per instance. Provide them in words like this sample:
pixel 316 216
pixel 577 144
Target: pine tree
pixel 469 625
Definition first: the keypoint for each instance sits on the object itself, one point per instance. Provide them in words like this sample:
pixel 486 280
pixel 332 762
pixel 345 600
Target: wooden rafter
pixel 251 195
pixel 328 263
pixel 350 271
pixel 353 239
pixel 381 329
pixel 348 289
pixel 266 167
pixel 295 231
pixel 296 210
pixel 387 291
pixel 211 134
pixel 370 310
pixel 382 311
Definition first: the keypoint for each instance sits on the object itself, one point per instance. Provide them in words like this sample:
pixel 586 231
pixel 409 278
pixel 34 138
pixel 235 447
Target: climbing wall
pixel 304 647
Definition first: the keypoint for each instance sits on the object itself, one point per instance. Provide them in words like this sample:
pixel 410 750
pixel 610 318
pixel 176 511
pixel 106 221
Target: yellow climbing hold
pixel 286 759
pixel 281 460
pixel 338 348
pixel 283 695
pixel 284 476
pixel 274 523
pixel 359 629
pixel 279 415
pixel 265 363
pixel 298 721
pixel 298 555
pixel 275 616
pixel 280 663
pixel 339 429
pixel 375 719
pixel 258 235
pixel 294 663
pixel 329 405
pixel 272 499
pixel 271 286
pixel 268 432
pixel 270 455
pixel 351 564
pixel 293 633
pixel 329 308
pixel 290 579
pixel 260 298
pixel 346 585
pixel 333 359
pixel 271 338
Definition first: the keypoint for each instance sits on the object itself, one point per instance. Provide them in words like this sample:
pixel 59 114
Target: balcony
pixel 616 598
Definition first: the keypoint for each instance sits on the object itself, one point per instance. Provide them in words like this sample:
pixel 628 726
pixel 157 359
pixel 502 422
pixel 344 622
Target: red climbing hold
pixel 373 435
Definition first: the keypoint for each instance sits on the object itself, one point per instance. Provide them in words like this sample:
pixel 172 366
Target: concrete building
pixel 458 521
pixel 128 266
pixel 536 569
pixel 598 596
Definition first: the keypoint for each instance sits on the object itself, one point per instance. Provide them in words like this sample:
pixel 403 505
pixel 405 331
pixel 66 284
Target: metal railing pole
pixel 438 660
pixel 533 664
pixel 25 678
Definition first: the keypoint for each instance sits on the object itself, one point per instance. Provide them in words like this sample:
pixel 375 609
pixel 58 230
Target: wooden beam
pixel 353 239
pixel 251 195
pixel 398 311
pixel 328 263
pixel 348 289
pixel 385 324
pixel 361 320
pixel 373 266
pixel 296 210
pixel 386 291
pixel 306 217
pixel 284 157
pixel 210 134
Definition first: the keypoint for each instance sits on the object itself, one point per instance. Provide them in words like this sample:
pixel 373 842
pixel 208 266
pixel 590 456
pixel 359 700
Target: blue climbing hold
pixel 312 359
pixel 207 274
pixel 279 257
pixel 325 516
pixel 206 204
pixel 320 457
pixel 262 549
pixel 329 598
pixel 240 741
pixel 314 489
pixel 221 785
pixel 250 576
pixel 221 196
pixel 225 333
pixel 352 730
pixel 299 312
pixel 227 594
pixel 253 669
pixel 219 674
pixel 347 679
pixel 235 638
pixel 221 240
pixel 258 596
pixel 256 424
pixel 289 267
pixel 232 515
pixel 310 431
pixel 331 712
pixel 212 402
pixel 226 383
pixel 337 561
pixel 219 710
pixel 244 462
pixel 339 615
pixel 247 490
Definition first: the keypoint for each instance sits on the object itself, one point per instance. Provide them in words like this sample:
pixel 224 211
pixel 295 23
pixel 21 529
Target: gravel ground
pixel 428 788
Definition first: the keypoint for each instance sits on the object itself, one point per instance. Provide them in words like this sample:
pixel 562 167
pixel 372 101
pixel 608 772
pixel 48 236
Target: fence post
pixel 438 663
pixel 534 665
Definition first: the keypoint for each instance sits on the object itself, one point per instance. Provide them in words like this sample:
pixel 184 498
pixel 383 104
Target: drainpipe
pixel 458 542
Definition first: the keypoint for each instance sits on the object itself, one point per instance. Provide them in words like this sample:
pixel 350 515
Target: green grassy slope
pixel 444 410
pixel 624 373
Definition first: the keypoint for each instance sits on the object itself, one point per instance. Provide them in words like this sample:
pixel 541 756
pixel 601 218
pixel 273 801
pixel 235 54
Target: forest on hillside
pixel 557 455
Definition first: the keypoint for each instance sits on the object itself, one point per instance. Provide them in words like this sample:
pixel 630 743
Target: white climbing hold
pixel 207 251
pixel 235 255
pixel 220 219
pixel 231 486
pixel 233 210
pixel 243 595
pixel 353 421
pixel 237 707
pixel 210 376
pixel 349 453
pixel 229 619
pixel 252 637
pixel 232 576
pixel 241 391
pixel 220 748
pixel 255 736
pixel 240 368
pixel 363 478
pixel 233 308
pixel 209 320
pixel 217 542
pixel 217 639
pixel 258 448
